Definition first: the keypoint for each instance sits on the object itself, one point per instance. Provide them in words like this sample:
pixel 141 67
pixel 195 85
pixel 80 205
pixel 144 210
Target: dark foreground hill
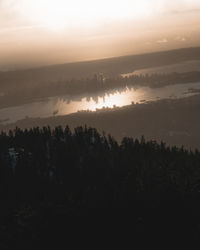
pixel 55 184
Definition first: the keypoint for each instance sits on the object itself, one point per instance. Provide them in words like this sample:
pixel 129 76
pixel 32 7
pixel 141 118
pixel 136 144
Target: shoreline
pixel 174 121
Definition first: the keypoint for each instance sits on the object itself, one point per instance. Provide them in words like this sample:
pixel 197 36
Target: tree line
pixel 93 85
pixel 48 174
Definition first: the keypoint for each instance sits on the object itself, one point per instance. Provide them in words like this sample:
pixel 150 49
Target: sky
pixel 45 32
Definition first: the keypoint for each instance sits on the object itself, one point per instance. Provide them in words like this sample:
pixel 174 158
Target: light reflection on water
pixel 116 99
pixel 183 67
pixel 66 105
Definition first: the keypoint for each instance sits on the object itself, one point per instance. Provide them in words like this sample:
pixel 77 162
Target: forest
pixel 89 86
pixel 54 180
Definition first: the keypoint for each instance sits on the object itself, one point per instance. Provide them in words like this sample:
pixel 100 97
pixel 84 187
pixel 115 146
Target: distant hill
pixel 111 67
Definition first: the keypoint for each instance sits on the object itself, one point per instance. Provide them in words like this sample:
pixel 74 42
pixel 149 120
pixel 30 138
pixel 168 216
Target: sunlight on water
pixel 65 105
pixel 108 101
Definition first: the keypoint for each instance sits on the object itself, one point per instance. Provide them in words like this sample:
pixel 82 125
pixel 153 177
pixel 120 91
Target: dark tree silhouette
pixel 49 176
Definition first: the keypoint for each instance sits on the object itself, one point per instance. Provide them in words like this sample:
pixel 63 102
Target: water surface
pixel 184 67
pixel 64 105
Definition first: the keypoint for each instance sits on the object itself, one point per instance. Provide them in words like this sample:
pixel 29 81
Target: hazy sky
pixel 38 32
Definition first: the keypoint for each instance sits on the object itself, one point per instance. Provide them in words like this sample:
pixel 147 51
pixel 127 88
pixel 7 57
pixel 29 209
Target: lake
pixel 63 105
pixel 183 67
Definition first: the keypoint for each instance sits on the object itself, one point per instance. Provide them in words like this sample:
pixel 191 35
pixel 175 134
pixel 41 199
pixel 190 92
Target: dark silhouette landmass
pixel 25 86
pixel 83 186
pixel 92 86
pixel 53 180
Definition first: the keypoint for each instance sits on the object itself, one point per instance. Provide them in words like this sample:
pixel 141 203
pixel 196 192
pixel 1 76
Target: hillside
pixel 50 178
pixel 111 66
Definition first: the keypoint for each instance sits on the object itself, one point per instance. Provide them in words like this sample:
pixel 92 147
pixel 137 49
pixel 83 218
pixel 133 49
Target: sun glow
pixel 66 13
pixel 114 100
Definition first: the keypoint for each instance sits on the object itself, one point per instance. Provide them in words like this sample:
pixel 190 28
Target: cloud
pixel 10 18
pixel 14 12
pixel 180 39
pixel 164 40
pixel 175 6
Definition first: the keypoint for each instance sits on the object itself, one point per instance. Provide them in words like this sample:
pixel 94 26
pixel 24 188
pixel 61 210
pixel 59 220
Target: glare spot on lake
pixel 107 101
pixel 64 105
